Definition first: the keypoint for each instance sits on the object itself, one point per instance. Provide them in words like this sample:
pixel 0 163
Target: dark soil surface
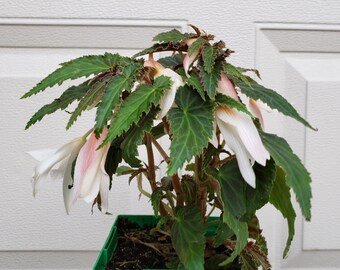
pixel 137 249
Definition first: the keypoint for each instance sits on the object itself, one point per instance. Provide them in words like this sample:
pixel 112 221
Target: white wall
pixel 296 45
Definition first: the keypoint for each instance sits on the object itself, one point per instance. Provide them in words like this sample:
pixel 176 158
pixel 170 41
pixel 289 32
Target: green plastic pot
pixel 111 242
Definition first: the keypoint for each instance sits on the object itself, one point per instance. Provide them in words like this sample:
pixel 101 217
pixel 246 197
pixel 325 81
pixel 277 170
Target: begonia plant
pixel 218 159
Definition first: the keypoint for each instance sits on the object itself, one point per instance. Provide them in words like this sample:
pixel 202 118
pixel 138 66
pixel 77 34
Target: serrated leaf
pixel 271 98
pixel 112 94
pixel 156 198
pixel 170 36
pixel 140 101
pixel 191 125
pixel 196 45
pixel 297 177
pixel 240 198
pixel 79 67
pixel 224 100
pixel 134 137
pixel 71 94
pixel 253 253
pixel 280 198
pixel 193 80
pixel 187 234
pixel 90 96
pixel 209 55
pixel 210 80
pixel 170 61
pixel 237 72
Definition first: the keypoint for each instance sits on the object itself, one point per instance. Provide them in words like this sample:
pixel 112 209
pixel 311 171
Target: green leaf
pixel 79 67
pixel 297 177
pixel 112 94
pixel 237 72
pixel 187 234
pixel 193 81
pixel 121 170
pixel 170 61
pixel 280 198
pixel 196 45
pixel 240 229
pixel 156 198
pixel 191 125
pixel 139 102
pixel 134 137
pixel 223 233
pixel 71 94
pixel 170 36
pixel 113 158
pixel 209 55
pixel 224 100
pixel 240 198
pixel 158 131
pixel 271 98
pixel 96 90
pixel 210 80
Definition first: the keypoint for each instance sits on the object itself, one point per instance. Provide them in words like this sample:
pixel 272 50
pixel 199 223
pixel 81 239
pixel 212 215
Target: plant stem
pixel 160 149
pixel 151 162
pixel 152 169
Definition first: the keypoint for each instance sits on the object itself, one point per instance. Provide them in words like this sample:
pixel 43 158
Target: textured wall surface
pixel 296 45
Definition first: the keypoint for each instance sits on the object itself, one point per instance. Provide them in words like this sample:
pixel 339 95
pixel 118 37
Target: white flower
pixel 240 134
pixel 49 159
pixel 90 177
pixel 168 98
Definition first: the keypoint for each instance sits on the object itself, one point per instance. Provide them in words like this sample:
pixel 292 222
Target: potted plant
pixel 218 160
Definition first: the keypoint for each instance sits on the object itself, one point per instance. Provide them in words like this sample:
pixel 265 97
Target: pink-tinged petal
pixel 230 135
pixel 226 87
pixel 85 158
pixel 247 132
pixel 92 178
pixel 153 64
pixel 87 170
pixel 255 109
pixel 188 60
pixel 168 98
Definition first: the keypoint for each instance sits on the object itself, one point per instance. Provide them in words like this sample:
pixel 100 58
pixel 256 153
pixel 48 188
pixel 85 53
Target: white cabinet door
pixel 295 44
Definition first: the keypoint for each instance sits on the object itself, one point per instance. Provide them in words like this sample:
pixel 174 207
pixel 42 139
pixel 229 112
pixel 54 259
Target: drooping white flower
pixel 168 98
pixel 240 134
pixel 90 177
pixel 62 158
